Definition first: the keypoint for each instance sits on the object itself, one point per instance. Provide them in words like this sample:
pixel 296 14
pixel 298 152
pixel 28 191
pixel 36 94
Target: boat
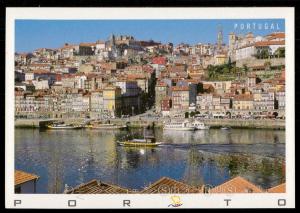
pixel 62 125
pixel 182 126
pixel 106 126
pixel 146 142
pixel 225 128
pixel 199 125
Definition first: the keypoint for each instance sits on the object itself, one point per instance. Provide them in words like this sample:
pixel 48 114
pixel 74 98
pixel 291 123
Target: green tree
pixel 192 114
pixel 245 68
pixel 186 114
pixel 280 52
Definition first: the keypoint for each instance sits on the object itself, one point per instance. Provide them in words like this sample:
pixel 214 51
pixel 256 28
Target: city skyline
pixel 33 34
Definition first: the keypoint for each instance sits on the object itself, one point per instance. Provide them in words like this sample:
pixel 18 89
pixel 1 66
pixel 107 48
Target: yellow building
pixel 112 100
pixel 243 102
pixel 220 59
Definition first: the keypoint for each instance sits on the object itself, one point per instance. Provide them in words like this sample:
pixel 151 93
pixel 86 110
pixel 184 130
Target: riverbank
pixel 213 123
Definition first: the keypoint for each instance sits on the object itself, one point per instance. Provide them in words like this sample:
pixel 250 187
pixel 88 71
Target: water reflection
pixel 211 157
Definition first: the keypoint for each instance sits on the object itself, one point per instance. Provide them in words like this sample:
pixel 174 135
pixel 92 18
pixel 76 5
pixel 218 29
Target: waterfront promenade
pixel 136 122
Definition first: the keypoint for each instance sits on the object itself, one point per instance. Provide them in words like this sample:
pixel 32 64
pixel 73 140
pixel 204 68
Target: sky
pixel 33 34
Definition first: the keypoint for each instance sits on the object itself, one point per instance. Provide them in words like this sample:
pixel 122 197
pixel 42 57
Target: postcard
pixel 150 108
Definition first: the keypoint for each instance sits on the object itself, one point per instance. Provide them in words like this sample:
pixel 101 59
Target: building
pixel 167 185
pixel 180 98
pixel 161 91
pixel 166 105
pixel 263 100
pixel 220 87
pixel 204 101
pixel 251 81
pixel 236 185
pixel 25 183
pixel 130 96
pixel 68 81
pixel 277 189
pixel 280 99
pixel 96 187
pixel 243 102
pixel 87 49
pixel 112 100
pixel 40 84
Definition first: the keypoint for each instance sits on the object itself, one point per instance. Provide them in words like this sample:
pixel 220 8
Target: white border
pixel 150 201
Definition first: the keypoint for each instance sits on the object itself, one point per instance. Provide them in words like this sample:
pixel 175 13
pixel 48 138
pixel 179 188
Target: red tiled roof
pixel 236 185
pixel 268 43
pixel 180 88
pixel 23 177
pixel 167 185
pixel 277 35
pixel 277 189
pixel 87 44
pixel 95 187
pixel 159 60
pixel 243 97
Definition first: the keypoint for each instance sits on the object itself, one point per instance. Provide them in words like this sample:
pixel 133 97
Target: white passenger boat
pixel 181 126
pixel 199 125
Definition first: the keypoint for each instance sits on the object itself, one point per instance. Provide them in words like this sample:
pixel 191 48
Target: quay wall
pixel 217 123
pixel 213 123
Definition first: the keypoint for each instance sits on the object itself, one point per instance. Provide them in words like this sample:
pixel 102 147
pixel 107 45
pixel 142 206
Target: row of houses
pixel 220 95
pixel 111 100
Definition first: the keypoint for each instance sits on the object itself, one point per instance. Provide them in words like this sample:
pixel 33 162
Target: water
pixel 73 157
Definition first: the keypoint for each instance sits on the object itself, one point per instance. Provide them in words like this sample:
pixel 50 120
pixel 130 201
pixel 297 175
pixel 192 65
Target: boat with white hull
pixel 199 125
pixel 64 126
pixel 179 126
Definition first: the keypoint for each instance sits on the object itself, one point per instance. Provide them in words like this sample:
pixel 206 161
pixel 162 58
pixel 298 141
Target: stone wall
pixel 260 62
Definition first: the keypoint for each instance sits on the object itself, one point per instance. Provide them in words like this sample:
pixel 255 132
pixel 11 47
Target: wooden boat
pixel 146 142
pixel 106 126
pixel 64 126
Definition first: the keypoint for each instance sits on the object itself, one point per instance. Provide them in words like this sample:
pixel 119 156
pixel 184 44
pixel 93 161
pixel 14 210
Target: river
pixel 211 157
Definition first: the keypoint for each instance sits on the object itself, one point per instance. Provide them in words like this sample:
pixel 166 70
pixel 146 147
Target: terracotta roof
pixel 243 97
pixel 167 185
pixel 87 44
pixel 268 43
pixel 178 88
pixel 97 187
pixel 236 185
pixel 23 177
pixel 277 35
pixel 136 76
pixel 161 84
pixel 277 189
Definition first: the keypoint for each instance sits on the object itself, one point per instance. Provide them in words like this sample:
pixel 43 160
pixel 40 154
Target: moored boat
pixel 64 126
pixel 199 125
pixel 225 128
pixel 106 126
pixel 181 126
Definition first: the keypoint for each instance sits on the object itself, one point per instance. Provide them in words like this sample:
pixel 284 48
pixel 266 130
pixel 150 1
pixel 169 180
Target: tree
pixel 280 52
pixel 245 68
pixel 192 114
pixel 186 114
